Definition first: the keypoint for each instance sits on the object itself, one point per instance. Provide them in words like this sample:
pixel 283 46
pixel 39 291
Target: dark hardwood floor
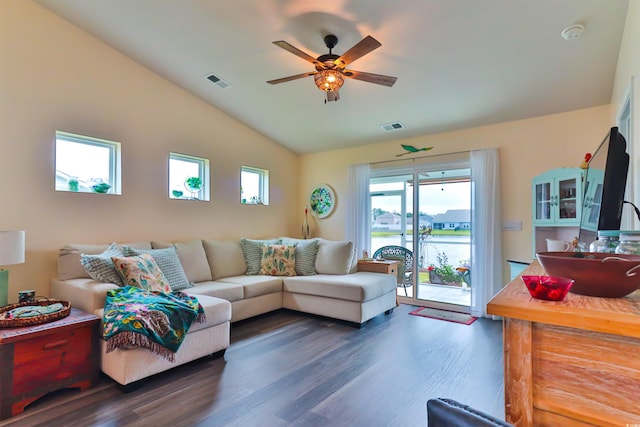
pixel 289 369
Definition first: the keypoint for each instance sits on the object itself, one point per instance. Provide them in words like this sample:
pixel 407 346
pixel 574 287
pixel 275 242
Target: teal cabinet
pixel 558 203
pixel 557 197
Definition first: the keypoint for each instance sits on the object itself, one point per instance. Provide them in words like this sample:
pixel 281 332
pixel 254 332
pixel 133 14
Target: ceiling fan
pixel 331 69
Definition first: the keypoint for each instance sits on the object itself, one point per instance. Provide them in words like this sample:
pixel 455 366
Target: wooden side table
pixel 36 360
pixel 375 266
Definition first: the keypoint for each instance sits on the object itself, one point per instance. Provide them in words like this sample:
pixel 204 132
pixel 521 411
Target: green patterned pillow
pixel 252 251
pixel 278 260
pixel 306 251
pixel 142 272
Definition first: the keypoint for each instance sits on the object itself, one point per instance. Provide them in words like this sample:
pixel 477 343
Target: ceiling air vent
pixel 392 126
pixel 218 81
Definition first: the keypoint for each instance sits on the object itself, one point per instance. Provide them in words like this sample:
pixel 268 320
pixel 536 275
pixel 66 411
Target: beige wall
pixel 53 76
pixel 527 148
pixel 628 58
pixel 628 70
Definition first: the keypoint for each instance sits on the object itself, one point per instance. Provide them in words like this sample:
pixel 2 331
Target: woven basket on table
pixel 36 320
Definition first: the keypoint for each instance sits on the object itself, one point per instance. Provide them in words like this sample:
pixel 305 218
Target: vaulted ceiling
pixel 459 63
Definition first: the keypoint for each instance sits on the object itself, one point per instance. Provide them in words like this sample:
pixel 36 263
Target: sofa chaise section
pixel 355 297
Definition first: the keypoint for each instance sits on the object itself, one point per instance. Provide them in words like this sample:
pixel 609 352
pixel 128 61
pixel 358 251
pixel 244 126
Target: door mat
pixel 449 316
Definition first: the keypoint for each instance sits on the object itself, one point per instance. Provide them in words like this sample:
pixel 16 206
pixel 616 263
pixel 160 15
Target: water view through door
pixel 438 233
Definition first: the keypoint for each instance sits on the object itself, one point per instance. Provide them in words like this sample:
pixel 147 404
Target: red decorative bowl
pixel 547 287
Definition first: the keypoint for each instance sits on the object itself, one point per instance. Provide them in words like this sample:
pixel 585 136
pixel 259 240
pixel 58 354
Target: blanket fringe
pixel 127 339
pixel 201 318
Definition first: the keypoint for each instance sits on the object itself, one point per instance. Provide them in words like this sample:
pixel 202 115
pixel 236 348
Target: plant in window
pixel 73 183
pixel 193 184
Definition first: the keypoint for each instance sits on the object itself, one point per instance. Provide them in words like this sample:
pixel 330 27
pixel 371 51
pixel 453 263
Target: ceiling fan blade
pixel 288 79
pixel 363 47
pixel 290 48
pixel 378 79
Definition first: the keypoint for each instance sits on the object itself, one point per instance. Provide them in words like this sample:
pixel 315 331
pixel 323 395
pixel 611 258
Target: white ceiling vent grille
pixel 218 81
pixel 392 126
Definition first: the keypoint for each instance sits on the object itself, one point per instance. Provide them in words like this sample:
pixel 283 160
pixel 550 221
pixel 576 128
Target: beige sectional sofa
pixel 222 276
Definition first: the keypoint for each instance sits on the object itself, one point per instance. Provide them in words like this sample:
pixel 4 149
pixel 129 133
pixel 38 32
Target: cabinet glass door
pixel 567 199
pixel 543 201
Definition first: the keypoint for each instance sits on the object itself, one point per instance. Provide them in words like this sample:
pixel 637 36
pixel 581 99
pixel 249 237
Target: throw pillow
pixel 168 262
pixel 142 272
pixel 252 251
pixel 334 257
pixel 278 260
pixel 306 251
pixel 100 267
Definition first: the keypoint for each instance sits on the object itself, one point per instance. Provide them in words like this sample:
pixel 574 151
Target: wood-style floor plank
pixel 290 369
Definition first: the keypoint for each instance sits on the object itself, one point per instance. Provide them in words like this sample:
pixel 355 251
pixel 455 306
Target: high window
pixel 188 177
pixel 254 186
pixel 87 165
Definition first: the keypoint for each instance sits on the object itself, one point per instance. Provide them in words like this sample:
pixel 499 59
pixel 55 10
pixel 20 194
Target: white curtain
pixel 486 233
pixel 359 208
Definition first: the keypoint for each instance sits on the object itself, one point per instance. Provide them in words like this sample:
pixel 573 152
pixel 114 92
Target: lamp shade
pixel 11 247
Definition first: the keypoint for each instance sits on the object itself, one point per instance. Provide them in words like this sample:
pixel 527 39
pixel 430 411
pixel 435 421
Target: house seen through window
pixel 188 177
pixel 254 186
pixel 87 165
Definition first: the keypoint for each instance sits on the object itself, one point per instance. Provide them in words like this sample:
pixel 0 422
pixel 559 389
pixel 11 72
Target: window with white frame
pixel 87 165
pixel 188 177
pixel 254 186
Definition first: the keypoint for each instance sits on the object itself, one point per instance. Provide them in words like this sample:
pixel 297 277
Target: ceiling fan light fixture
pixel 329 80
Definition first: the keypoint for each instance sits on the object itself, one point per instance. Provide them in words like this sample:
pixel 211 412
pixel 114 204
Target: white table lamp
pixel 11 252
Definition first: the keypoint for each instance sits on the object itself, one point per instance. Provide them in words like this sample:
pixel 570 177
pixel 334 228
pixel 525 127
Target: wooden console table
pixel 569 363
pixel 35 360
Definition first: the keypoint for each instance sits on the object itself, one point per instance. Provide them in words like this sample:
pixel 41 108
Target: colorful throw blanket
pixel 153 320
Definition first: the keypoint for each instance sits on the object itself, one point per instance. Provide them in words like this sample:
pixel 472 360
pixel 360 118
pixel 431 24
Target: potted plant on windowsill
pixel 193 184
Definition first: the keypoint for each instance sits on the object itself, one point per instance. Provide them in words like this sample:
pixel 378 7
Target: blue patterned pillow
pixel 100 267
pixel 168 262
pixel 306 251
pixel 252 250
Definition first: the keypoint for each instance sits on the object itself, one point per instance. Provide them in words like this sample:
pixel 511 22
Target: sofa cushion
pixel 69 265
pixel 225 290
pixel 142 272
pixel 168 262
pixel 192 257
pixel 100 266
pixel 306 252
pixel 255 286
pixel 225 258
pixel 359 287
pixel 334 257
pixel 252 251
pixel 278 260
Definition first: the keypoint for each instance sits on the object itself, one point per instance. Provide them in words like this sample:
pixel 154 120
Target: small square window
pixel 254 186
pixel 87 165
pixel 188 177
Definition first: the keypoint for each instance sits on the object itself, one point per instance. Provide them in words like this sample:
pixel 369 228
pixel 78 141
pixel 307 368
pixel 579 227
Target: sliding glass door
pixel 437 233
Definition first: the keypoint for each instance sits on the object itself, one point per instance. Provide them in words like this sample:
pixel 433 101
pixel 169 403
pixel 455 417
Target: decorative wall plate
pixel 322 201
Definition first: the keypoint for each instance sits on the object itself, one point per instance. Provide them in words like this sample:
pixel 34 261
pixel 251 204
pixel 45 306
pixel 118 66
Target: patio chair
pixel 405 263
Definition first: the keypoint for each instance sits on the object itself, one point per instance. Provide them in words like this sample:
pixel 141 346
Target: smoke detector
pixel 572 32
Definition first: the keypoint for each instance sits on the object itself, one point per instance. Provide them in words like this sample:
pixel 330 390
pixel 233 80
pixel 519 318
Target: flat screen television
pixel 604 187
